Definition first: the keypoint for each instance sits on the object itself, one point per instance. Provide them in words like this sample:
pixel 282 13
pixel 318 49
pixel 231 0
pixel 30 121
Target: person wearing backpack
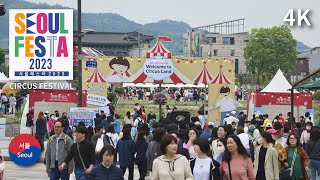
pixel 99 133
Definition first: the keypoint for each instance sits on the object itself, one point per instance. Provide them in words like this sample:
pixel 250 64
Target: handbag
pixel 99 144
pixel 84 166
pixel 286 174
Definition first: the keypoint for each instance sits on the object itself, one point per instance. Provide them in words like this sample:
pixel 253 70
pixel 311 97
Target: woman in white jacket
pixel 305 136
pixel 170 166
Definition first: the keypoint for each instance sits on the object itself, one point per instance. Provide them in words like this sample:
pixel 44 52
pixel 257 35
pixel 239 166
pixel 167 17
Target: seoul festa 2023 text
pixel 41 44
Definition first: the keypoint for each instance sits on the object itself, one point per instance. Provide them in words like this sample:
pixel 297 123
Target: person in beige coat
pixel 170 166
pixel 266 159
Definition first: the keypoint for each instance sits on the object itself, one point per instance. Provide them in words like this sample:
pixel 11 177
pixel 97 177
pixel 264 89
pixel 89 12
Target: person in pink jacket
pixel 236 160
pixel 50 123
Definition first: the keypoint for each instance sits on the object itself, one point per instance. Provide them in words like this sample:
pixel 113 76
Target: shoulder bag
pixel 229 170
pixel 99 144
pixel 84 166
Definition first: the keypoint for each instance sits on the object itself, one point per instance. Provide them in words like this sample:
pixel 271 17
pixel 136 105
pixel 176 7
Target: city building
pixel 301 69
pixel 117 43
pixel 314 58
pixel 226 39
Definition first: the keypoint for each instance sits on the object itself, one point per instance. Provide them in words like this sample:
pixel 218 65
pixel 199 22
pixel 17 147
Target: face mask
pixel 220 149
pixel 52 117
pixel 104 131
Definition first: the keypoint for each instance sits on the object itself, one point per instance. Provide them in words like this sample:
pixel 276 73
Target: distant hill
pixel 110 22
pixel 301 48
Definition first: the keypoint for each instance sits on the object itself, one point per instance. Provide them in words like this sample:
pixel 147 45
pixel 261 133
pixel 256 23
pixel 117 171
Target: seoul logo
pixel 24 150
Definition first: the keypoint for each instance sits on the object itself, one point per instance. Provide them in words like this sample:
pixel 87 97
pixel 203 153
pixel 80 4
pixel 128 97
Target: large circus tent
pixel 158 52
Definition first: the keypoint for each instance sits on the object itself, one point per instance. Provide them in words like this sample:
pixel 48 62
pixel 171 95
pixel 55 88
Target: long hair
pixel 41 115
pixel 315 133
pixel 187 134
pixel 241 150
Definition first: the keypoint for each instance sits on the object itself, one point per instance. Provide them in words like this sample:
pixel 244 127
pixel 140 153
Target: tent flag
pixel 165 38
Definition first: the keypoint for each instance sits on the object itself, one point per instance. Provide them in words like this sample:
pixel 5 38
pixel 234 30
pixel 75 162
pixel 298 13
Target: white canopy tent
pixel 279 84
pixel 3 78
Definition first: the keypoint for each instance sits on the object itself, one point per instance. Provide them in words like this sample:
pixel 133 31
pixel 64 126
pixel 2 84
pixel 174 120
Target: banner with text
pixel 40 43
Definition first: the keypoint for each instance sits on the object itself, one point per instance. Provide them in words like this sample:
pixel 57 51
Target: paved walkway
pixel 35 172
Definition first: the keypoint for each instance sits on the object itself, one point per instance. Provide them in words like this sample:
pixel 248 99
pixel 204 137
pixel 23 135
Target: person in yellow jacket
pixel 282 155
pixel 266 121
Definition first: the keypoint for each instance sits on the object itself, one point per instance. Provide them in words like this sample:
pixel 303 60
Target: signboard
pixel 2 128
pixel 41 43
pixel 158 68
pixel 24 150
pixel 91 63
pixel 81 114
pixel 97 100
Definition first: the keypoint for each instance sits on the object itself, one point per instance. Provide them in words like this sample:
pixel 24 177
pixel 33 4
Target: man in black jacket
pixel 83 154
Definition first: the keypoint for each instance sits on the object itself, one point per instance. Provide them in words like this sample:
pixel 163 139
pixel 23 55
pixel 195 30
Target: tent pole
pixel 204 104
pixel 160 102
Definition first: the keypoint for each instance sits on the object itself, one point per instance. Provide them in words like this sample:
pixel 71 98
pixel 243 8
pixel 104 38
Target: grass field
pixel 125 105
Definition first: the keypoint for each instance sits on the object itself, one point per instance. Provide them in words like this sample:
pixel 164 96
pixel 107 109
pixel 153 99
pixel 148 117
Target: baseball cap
pixel 206 126
pixel 46 112
pixel 271 131
pixel 233 112
pixel 227 115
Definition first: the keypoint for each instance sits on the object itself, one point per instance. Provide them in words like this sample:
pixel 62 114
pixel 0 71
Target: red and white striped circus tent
pixel 159 50
pixel 204 77
pixel 221 78
pixel 95 77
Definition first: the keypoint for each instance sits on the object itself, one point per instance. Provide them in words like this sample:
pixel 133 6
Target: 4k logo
pixel 302 17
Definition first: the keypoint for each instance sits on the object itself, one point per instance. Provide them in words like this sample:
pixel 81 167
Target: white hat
pixel 233 112
pixel 227 115
pixel 46 112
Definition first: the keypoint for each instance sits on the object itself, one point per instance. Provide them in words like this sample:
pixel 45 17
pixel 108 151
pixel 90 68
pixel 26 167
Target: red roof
pixel 159 50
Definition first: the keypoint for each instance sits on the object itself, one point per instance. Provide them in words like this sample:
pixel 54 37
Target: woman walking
pixel 298 159
pixel 41 129
pixel 236 163
pixel 141 158
pixel 222 133
pixel 126 150
pixel 204 167
pixel 266 159
pixel 313 150
pixel 221 147
pixel 170 166
pixel 189 142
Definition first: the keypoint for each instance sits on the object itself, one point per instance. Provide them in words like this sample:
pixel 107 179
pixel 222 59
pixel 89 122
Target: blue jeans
pixel 80 173
pixel 56 174
pixel 315 169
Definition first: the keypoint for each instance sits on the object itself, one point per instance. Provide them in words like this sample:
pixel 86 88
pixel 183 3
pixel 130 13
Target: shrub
pixel 160 98
pixel 119 90
pixel 112 97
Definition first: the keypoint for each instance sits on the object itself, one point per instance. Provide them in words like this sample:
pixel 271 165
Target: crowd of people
pixel 10 103
pixel 242 148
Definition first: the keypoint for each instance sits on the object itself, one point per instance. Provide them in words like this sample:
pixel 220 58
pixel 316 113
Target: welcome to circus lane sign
pixel 158 68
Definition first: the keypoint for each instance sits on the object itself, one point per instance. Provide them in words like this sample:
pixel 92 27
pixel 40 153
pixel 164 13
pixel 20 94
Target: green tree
pixel 270 49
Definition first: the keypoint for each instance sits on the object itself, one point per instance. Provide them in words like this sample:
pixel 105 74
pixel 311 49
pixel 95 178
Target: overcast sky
pixel 265 13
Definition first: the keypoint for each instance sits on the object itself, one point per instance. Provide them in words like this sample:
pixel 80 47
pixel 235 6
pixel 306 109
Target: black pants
pixel 130 171
pixel 142 166
pixel 40 138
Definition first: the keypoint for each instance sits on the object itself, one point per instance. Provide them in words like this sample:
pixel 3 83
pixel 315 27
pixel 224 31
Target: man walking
pixel 83 154
pixel 58 147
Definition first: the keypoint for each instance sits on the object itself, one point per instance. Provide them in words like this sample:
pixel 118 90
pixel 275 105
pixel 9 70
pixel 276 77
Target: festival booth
pixel 275 98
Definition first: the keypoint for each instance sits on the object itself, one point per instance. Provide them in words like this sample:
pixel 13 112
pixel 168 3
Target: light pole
pixel 80 35
pixel 79 56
